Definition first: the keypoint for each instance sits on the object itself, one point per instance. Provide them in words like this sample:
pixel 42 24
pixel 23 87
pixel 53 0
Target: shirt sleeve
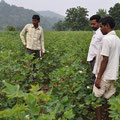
pixel 105 48
pixel 42 41
pixel 22 33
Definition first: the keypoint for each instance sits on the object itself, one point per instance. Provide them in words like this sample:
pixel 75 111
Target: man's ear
pixel 100 24
pixel 108 26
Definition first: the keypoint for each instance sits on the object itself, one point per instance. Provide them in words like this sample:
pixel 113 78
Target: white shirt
pixel 110 47
pixel 95 44
pixel 34 37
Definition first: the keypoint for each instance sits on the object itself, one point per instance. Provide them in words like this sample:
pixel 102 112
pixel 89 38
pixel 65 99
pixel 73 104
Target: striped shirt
pixel 34 37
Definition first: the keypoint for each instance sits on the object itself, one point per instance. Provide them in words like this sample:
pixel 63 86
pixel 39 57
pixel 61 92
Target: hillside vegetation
pixel 19 16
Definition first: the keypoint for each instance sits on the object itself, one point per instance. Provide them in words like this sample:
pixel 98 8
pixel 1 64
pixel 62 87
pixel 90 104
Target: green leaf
pixel 69 114
pixel 12 91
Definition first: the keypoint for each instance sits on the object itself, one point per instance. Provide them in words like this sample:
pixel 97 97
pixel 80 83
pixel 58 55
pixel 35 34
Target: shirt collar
pixel 36 28
pixel 94 32
pixel 111 33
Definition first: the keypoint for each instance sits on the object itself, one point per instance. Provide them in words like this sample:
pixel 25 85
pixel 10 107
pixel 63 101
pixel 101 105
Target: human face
pixel 35 22
pixel 94 24
pixel 104 29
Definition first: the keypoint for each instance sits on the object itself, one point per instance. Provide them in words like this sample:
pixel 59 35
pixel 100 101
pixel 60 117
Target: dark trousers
pixel 36 55
pixel 92 63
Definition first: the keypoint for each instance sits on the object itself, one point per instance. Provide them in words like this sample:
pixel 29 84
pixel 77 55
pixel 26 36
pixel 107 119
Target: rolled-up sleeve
pixel 105 48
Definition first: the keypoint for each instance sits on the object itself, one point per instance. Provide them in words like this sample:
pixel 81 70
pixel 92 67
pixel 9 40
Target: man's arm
pixel 42 44
pixel 22 35
pixel 101 71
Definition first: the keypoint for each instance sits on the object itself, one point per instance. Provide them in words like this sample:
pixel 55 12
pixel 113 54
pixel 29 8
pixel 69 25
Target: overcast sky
pixel 60 6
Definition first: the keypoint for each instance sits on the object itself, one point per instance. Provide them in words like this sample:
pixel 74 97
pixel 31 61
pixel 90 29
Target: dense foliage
pixel 61 89
pixel 115 13
pixel 76 18
pixel 102 12
pixel 10 28
pixel 60 26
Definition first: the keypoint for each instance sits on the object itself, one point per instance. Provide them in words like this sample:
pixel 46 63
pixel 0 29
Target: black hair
pixel 36 17
pixel 95 17
pixel 108 20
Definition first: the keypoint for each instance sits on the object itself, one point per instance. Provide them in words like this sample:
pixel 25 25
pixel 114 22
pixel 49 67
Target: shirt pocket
pixel 96 40
pixel 38 34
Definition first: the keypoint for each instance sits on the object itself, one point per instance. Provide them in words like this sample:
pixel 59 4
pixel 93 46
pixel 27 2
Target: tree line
pixel 77 18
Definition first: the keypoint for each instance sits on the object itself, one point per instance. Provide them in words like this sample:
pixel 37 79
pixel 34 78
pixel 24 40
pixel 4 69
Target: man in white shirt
pixel 95 42
pixel 34 43
pixel 107 62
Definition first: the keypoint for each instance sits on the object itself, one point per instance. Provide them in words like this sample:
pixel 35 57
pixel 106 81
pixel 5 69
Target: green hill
pixel 52 17
pixel 19 16
pixel 51 14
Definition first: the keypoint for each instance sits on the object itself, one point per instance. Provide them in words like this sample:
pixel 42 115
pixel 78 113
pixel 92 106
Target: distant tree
pixel 10 28
pixel 60 26
pixel 102 12
pixel 76 18
pixel 115 13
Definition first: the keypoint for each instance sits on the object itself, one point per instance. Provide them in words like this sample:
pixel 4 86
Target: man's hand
pixel 94 58
pixel 101 71
pixel 42 54
pixel 97 83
